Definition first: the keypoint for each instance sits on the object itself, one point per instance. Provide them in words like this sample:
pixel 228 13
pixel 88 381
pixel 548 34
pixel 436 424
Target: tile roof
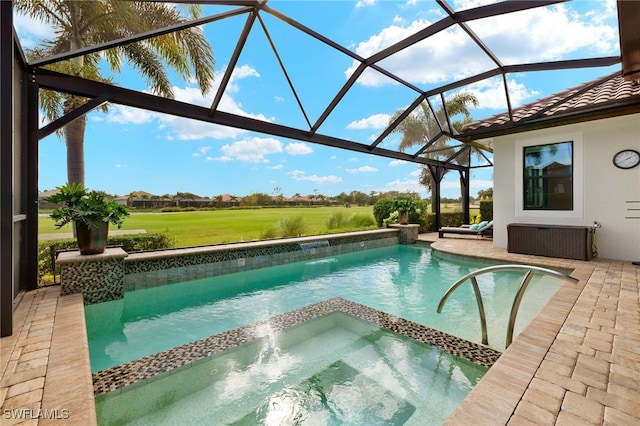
pixel 606 91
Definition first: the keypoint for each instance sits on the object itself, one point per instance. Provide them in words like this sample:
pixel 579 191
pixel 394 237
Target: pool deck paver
pixel 45 363
pixel 577 363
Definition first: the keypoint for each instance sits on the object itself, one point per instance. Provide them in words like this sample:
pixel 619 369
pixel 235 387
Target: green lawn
pixel 220 226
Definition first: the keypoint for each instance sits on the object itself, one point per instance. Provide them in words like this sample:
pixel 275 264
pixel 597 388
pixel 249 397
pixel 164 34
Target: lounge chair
pixel 484 229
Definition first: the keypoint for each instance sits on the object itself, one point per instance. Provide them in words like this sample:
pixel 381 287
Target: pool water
pixel 333 370
pixel 406 281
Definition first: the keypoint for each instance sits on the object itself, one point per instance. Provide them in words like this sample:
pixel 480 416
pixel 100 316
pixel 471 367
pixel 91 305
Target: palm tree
pixel 420 126
pixel 79 24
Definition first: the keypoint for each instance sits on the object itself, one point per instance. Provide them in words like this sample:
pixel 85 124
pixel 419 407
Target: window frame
pixel 546 179
pixel 542 138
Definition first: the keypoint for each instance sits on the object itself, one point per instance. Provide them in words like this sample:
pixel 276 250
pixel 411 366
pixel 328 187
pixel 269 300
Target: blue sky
pixel 128 150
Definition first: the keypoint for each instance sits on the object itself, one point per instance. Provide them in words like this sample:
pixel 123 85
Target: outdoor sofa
pixel 482 229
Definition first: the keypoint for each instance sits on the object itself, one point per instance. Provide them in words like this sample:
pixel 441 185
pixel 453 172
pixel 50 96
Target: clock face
pixel 626 159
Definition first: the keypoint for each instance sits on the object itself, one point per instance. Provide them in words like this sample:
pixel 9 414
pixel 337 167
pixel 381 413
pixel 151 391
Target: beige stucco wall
pixel 602 192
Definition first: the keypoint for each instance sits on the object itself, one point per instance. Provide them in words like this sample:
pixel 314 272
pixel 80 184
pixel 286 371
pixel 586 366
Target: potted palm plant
pixel 90 212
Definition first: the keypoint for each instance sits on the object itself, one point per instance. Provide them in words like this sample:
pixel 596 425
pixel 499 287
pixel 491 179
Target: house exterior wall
pixel 602 192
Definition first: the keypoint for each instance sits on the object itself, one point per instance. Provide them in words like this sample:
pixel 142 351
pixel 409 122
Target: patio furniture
pixel 481 230
pixel 568 242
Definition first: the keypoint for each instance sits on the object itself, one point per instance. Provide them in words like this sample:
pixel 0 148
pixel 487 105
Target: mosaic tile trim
pixel 166 259
pixel 408 233
pixel 98 280
pixel 157 268
pixel 156 365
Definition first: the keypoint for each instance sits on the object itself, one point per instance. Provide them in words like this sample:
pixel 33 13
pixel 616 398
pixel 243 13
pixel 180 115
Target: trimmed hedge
pixel 486 210
pixel 48 249
pixel 452 219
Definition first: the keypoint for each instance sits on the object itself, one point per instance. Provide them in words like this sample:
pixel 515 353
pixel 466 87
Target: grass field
pixel 221 226
pixel 230 225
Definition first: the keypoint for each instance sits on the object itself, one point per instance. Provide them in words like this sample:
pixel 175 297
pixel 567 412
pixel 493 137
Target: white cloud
pixel 490 93
pixel 277 167
pixel 126 115
pixel 539 34
pixel 201 151
pixel 396 163
pixel 239 73
pixel 416 64
pixel 252 150
pixel 376 121
pixel 552 33
pixel 298 149
pixel 363 169
pixel 223 159
pixel 365 3
pixel 299 175
pixel 404 185
pixel 185 129
pixel 31 31
pixel 478 184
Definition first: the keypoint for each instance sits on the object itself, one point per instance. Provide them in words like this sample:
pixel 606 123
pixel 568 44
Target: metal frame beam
pixel 135 38
pixel 29 174
pixel 6 170
pixel 92 89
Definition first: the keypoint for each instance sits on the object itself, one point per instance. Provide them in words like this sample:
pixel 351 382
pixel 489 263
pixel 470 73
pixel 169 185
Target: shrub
pixel 362 220
pixel 382 209
pixel 175 209
pixel 392 218
pixel 337 220
pixel 268 233
pixel 292 226
pixel 428 223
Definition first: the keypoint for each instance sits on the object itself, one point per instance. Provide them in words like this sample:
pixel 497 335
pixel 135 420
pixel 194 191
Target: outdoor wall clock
pixel 626 159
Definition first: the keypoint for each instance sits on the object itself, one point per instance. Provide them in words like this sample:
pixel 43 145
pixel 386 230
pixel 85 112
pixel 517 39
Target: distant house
pixel 224 200
pixel 44 194
pixel 142 199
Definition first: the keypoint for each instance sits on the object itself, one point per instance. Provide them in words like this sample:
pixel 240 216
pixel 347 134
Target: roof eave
pixel 630 106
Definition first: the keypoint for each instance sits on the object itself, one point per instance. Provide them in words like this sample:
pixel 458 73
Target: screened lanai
pixel 302 56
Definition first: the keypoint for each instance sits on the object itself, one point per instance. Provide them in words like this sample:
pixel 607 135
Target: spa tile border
pixel 157 365
pixel 163 267
pixel 171 258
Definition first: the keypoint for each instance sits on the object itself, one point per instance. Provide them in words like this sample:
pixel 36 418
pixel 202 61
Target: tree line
pixel 261 199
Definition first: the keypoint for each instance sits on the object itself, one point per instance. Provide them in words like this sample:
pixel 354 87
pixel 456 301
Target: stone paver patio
pixel 577 363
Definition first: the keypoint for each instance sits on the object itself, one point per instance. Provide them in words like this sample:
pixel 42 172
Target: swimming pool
pixel 335 369
pixel 407 281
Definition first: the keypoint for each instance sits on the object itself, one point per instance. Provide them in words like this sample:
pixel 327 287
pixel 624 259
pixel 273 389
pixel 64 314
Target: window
pixel 548 177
